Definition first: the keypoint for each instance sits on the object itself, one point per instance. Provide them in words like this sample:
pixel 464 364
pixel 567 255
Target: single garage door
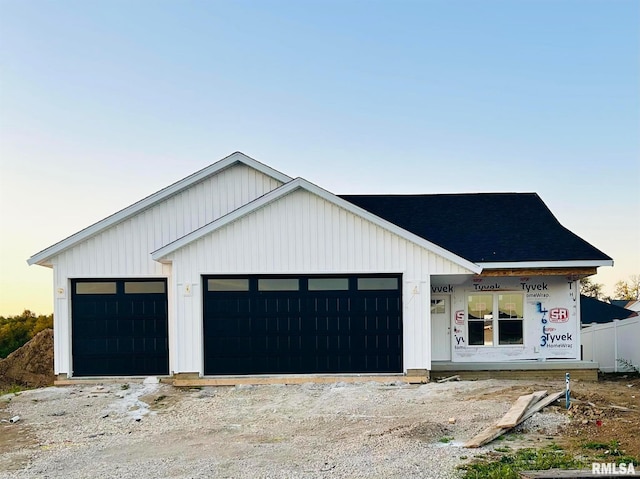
pixel 302 324
pixel 119 327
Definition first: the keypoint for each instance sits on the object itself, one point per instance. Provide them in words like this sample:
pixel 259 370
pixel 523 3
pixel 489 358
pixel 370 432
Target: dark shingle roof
pixel 483 227
pixel 595 311
pixel 620 302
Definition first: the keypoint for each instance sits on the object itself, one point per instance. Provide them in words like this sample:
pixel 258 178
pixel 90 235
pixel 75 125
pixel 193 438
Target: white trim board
pixel 547 264
pixel 237 157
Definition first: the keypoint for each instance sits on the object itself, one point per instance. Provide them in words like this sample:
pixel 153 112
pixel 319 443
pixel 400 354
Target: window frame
pixel 495 319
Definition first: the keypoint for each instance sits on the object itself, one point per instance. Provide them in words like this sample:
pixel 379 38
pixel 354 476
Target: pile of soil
pixel 31 365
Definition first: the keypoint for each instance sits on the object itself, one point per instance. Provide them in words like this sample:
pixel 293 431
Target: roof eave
pixel 41 257
pixel 546 264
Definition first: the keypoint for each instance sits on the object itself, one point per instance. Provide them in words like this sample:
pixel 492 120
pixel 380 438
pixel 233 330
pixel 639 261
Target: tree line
pixel 15 331
pixel 625 290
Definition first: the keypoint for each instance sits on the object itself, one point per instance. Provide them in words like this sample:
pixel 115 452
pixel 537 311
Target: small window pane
pixel 481 333
pixel 510 306
pixel 228 284
pixel 279 284
pixel 480 306
pixel 437 306
pixel 510 331
pixel 377 283
pixel 476 333
pixel 328 284
pixel 143 287
pixel 97 287
pixel 488 333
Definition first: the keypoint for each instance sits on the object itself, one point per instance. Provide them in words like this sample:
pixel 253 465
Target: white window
pixel 495 318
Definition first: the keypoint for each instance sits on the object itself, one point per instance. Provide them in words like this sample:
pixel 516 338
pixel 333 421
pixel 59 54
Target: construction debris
pixel 516 412
pixel 495 431
pixel 450 378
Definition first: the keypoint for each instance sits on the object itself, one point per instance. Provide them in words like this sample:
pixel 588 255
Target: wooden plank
pixel 485 436
pixel 510 419
pixel 493 432
pixel 541 405
pixel 539 395
pixel 450 378
pixel 576 272
pixel 255 380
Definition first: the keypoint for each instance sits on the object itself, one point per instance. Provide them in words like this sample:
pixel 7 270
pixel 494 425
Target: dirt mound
pixel 31 365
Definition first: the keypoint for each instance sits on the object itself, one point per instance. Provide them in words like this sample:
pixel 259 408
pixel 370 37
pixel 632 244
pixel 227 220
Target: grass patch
pixel 503 449
pixel 13 389
pixel 445 440
pixel 609 452
pixel 594 445
pixel 508 466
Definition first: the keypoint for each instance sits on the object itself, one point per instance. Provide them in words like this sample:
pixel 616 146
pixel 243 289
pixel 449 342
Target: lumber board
pixel 543 403
pixel 485 436
pixel 579 272
pixel 450 378
pixel 537 395
pixel 510 419
pixel 493 432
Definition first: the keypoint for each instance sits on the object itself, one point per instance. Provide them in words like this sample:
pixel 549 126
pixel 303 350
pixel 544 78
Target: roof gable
pixel 486 228
pixel 300 183
pixel 236 158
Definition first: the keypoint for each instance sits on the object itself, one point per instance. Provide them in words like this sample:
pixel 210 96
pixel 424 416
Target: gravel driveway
pixel 150 430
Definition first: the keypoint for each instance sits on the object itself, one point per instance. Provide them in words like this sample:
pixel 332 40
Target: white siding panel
pixel 125 249
pixel 302 233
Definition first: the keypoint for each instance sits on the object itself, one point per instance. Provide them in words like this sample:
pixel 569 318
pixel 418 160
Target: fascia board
pixel 326 195
pixel 547 264
pixel 149 201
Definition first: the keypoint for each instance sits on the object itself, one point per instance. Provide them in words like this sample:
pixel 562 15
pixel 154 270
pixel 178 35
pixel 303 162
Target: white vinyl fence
pixel 607 343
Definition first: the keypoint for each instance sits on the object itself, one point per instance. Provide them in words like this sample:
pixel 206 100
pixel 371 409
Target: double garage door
pixel 302 324
pixel 251 325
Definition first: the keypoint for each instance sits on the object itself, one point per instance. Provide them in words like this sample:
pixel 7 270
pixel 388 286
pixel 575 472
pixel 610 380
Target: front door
pixel 440 328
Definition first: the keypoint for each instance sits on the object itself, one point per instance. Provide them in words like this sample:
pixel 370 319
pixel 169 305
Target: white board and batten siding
pixel 302 233
pixel 123 250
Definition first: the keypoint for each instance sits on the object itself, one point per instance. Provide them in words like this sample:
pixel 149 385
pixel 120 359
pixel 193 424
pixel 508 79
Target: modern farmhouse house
pixel 239 271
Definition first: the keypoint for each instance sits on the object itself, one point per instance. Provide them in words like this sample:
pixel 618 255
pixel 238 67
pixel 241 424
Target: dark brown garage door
pixel 119 327
pixel 302 324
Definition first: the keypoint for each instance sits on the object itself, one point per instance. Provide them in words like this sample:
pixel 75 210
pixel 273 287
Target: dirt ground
pixel 152 430
pixel 593 419
pixel 311 430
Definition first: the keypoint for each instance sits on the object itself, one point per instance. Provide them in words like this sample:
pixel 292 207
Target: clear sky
pixel 105 102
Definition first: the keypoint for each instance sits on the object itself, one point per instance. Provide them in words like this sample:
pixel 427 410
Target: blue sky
pixel 105 102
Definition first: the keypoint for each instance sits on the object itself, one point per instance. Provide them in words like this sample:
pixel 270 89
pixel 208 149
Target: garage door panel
pixel 119 334
pixel 300 331
pixel 110 309
pixel 231 306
